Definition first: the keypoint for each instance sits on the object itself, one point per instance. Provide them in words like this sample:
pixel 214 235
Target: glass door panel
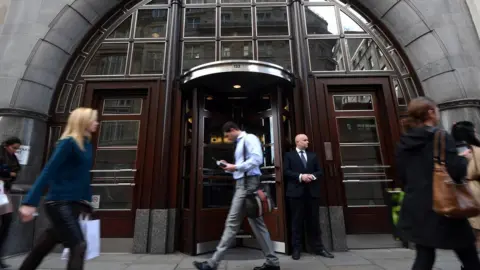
pixel 364 174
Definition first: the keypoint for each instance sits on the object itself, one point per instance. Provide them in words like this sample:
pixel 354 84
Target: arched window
pixel 132 43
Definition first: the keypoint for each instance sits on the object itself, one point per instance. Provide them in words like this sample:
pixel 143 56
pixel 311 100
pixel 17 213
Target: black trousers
pixel 6 220
pixel 426 258
pixel 306 209
pixel 65 230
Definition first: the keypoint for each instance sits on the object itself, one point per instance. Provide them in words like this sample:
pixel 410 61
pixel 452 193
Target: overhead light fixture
pixel 237 86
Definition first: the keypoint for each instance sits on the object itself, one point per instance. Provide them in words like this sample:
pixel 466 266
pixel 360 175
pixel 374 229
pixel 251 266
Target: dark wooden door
pixel 358 128
pixel 119 150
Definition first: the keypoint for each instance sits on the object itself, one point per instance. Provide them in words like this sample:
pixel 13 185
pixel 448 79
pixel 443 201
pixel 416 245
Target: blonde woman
pixel 67 176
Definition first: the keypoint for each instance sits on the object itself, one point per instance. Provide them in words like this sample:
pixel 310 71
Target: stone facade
pixel 39 37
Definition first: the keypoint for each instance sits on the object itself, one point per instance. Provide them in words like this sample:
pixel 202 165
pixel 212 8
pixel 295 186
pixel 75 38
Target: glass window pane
pixel 110 59
pixel 270 1
pixel 275 51
pixel 123 30
pixel 401 100
pixel 272 21
pixel 350 26
pixel 353 103
pixel 357 130
pixel 118 133
pixel 321 20
pixel 53 136
pixel 158 2
pixel 199 22
pixel 63 98
pixel 186 193
pixel 236 21
pixel 412 90
pixel 236 50
pixel 361 155
pixel 325 55
pixel 197 53
pixel 114 197
pixel 235 1
pixel 122 106
pixel 110 159
pixel 200 1
pixel 217 193
pixel 398 61
pixel 366 55
pixel 148 58
pixel 77 97
pixel 365 193
pixel 151 23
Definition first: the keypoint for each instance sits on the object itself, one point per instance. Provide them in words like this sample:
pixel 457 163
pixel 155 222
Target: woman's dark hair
pixel 11 141
pixel 418 112
pixel 229 125
pixel 464 131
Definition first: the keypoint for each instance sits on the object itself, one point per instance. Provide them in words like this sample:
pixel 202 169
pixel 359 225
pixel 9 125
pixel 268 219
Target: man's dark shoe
pixel 324 253
pixel 267 267
pixel 203 266
pixel 296 255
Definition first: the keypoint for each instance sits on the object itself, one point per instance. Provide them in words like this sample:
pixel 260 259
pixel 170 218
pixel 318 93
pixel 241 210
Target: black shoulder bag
pixel 258 201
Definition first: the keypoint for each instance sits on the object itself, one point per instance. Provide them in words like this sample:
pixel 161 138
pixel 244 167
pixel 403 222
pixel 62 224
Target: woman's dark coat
pixel 418 222
pixel 8 163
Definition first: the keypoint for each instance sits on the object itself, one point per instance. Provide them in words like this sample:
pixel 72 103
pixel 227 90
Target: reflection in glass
pixel 197 53
pixel 275 51
pixel 187 157
pixel 398 61
pixel 364 194
pixel 369 155
pixel 366 55
pixel 236 21
pixel 122 106
pixel 412 90
pixel 109 159
pixel 350 26
pixel 53 136
pixel 217 193
pixel 199 22
pixel 321 20
pixel 151 23
pixel 123 30
pixel 114 197
pixel 118 133
pixel 147 58
pixel 353 103
pixel 200 1
pixel 186 192
pixel 270 1
pixel 77 96
pixel 272 21
pixel 401 100
pixel 236 50
pixel 325 54
pixel 235 1
pixel 63 98
pixel 357 130
pixel 158 2
pixel 110 59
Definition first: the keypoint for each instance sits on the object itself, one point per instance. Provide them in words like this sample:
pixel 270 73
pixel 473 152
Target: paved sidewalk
pixel 246 259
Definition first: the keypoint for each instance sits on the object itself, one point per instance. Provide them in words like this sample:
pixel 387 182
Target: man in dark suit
pixel 302 173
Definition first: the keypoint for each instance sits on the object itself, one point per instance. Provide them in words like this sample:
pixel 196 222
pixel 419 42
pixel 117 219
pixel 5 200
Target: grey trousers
pixel 234 221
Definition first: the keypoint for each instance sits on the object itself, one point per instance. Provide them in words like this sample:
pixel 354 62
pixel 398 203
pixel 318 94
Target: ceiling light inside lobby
pixel 237 86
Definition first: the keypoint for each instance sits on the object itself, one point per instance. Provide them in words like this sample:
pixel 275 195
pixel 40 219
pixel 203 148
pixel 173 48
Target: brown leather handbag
pixel 450 199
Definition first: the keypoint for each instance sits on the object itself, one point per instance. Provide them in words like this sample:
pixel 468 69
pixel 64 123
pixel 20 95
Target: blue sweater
pixel 67 175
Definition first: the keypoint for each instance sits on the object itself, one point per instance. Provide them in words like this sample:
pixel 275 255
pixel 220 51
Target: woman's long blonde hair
pixel 78 122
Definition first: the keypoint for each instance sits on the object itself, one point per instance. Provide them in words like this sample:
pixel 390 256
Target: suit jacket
pixel 293 167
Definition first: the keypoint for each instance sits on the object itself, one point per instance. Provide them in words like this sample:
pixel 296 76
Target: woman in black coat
pixel 418 222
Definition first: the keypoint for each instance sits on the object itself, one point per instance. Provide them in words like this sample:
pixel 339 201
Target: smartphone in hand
pixel 219 163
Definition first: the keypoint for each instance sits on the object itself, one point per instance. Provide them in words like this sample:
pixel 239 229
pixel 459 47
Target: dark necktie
pixel 304 160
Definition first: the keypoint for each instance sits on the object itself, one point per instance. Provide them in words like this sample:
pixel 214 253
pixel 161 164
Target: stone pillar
pixel 460 110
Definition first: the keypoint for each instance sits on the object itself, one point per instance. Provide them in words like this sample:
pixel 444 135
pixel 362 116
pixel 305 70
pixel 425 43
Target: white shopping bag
pixel 3 196
pixel 91 232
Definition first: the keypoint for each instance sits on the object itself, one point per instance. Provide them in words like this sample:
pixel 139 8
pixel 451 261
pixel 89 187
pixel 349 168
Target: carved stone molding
pixel 459 103
pixel 23 113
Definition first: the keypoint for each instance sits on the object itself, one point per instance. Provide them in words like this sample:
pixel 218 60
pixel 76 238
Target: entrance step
pixel 372 241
